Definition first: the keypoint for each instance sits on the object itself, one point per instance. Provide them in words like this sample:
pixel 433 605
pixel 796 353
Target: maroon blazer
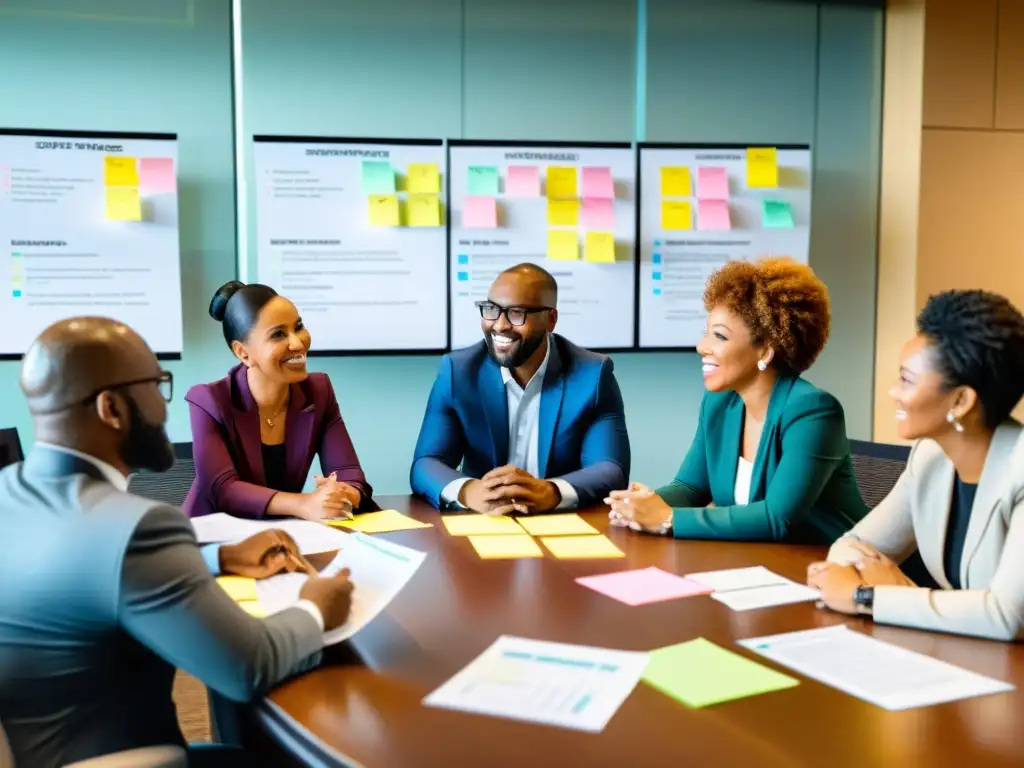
pixel 228 452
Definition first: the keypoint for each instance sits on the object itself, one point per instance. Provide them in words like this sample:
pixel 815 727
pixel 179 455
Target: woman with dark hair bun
pixel 960 501
pixel 255 431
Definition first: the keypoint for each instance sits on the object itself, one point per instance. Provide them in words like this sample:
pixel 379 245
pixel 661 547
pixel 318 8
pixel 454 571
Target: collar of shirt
pixel 111 475
pixel 506 373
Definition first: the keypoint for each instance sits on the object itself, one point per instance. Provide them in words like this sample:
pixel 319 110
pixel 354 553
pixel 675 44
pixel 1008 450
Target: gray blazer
pixel 103 594
pixel 915 514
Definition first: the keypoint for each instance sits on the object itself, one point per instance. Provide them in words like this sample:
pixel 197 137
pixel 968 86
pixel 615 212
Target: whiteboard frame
pixel 129 136
pixel 640 146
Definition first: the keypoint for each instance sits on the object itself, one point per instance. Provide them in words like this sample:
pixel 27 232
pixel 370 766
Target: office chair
pixel 10 447
pixel 169 487
pixel 147 757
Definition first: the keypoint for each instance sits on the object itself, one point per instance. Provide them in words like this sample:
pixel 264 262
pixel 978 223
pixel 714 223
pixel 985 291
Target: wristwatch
pixel 864 599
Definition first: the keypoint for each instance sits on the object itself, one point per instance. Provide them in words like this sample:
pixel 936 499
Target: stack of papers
pixel 385 521
pixel 884 675
pixel 647 585
pixel 572 686
pixel 744 589
pixel 309 537
pixel 380 569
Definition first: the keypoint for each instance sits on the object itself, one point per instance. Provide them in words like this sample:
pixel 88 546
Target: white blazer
pixel 915 514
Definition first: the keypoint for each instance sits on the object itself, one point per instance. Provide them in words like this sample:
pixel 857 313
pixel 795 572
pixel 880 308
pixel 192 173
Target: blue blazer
pixel 582 432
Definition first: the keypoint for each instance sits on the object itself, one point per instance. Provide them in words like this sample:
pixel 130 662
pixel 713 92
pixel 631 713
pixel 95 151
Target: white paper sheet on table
pixel 379 571
pixel 310 537
pixel 744 589
pixel 739 578
pixel 877 672
pixel 572 686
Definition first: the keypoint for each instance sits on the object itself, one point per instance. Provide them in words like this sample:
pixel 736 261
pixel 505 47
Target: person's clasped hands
pixel 638 508
pixel 509 489
pixel 331 499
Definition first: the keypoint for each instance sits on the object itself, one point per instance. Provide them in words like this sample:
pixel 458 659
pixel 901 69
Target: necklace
pixel 278 412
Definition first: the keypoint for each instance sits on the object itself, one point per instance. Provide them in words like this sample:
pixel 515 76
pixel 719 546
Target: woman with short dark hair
pixel 255 432
pixel 960 501
pixel 770 453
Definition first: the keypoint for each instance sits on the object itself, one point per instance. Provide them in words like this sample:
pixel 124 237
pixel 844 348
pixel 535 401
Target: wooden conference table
pixel 362 707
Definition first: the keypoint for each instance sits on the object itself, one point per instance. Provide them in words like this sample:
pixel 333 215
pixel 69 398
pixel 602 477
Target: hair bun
pixel 219 302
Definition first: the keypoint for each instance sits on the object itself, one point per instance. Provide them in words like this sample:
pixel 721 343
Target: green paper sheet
pixel 777 215
pixel 378 177
pixel 483 180
pixel 700 673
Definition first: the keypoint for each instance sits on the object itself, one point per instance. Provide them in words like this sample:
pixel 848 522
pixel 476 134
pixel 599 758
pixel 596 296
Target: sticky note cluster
pixel 385 521
pixel 423 186
pixel 566 536
pixel 587 197
pixel 123 178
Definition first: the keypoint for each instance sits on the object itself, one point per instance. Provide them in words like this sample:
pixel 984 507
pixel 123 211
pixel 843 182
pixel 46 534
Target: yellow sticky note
pixel 563 245
pixel 238 587
pixel 556 525
pixel 505 547
pixel 600 247
pixel 424 211
pixel 563 213
pixel 561 181
pixel 424 179
pixel 123 204
pixel 578 547
pixel 253 608
pixel 762 167
pixel 380 522
pixel 479 525
pixel 384 211
pixel 676 215
pixel 120 171
pixel 16 281
pixel 675 181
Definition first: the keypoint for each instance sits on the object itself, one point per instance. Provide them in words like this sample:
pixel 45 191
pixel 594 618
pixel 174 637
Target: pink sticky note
pixel 648 585
pixel 598 213
pixel 597 182
pixel 712 184
pixel 713 214
pixel 522 181
pixel 156 174
pixel 480 213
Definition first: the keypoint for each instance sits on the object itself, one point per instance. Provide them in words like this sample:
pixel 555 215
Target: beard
pixel 146 446
pixel 522 350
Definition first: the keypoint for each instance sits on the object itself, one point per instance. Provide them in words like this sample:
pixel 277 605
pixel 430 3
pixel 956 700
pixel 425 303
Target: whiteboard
pixel 675 265
pixel 360 285
pixel 596 301
pixel 65 256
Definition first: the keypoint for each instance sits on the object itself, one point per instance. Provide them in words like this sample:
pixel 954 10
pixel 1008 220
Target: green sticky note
pixel 483 180
pixel 776 215
pixel 700 673
pixel 378 177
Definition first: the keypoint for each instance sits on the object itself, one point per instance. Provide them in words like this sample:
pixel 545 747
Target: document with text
pixel 310 537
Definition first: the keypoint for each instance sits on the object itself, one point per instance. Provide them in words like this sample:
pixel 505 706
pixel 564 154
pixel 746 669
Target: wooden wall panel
pixel 1010 66
pixel 960 63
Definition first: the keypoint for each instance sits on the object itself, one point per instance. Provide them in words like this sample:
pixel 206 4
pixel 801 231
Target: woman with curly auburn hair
pixel 960 501
pixel 770 453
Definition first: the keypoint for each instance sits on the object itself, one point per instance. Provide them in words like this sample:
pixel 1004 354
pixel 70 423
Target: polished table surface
pixel 363 706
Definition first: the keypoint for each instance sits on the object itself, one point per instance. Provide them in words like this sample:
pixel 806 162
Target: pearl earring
pixel 952 419
pixel 762 365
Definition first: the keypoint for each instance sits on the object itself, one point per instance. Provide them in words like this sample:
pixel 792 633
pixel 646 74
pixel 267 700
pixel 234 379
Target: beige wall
pixel 952 165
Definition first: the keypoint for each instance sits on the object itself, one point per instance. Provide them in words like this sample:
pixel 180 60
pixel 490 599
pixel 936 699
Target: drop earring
pixel 954 421
pixel 762 365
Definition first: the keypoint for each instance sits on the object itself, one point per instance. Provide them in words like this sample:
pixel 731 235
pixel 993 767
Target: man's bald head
pixel 76 358
pixel 534 281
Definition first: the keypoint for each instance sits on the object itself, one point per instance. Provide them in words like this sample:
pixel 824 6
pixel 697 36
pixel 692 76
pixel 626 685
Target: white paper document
pixel 379 571
pixel 739 578
pixel 744 589
pixel 571 686
pixel 877 672
pixel 310 537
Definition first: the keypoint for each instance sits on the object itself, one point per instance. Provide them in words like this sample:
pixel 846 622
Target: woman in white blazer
pixel 960 501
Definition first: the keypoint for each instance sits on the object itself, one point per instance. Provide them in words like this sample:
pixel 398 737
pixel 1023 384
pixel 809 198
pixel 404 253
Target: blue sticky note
pixel 483 180
pixel 776 214
pixel 16 294
pixel 657 243
pixel 378 177
pixel 657 258
pixel 463 277
pixel 463 258
pixel 657 291
pixel 656 276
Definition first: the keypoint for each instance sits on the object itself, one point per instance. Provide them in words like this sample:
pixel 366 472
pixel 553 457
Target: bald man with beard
pixel 103 593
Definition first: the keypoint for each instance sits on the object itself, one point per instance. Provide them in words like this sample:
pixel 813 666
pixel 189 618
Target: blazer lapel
pixel 495 403
pixel 247 421
pixel 776 405
pixel 993 476
pixel 298 435
pixel 550 406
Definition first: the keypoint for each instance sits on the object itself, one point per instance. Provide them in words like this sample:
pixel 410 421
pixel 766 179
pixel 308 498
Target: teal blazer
pixel 802 488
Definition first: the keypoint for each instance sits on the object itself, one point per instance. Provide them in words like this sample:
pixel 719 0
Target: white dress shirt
pixel 741 491
pixel 523 432
pixel 210 552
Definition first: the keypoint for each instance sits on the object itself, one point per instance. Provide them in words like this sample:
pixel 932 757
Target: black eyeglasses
pixel 164 383
pixel 516 315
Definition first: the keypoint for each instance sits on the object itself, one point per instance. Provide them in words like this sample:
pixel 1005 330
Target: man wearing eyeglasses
pixel 524 421
pixel 104 593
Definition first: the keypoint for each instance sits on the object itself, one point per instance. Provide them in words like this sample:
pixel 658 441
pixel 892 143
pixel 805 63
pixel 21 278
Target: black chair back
pixel 169 487
pixel 877 466
pixel 10 447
